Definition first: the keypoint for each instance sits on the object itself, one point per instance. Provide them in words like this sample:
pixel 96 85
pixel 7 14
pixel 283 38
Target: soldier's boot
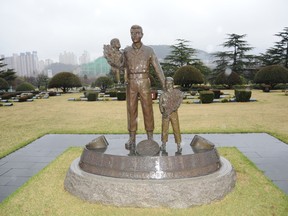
pixel 163 146
pixel 150 135
pixel 179 148
pixel 131 143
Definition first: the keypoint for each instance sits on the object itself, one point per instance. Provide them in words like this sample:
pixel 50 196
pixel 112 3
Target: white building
pixel 25 64
pixel 84 58
pixel 68 58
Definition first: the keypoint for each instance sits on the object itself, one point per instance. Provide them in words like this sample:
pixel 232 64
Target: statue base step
pixel 171 193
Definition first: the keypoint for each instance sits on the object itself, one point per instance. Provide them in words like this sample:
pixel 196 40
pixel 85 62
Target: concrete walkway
pixel 268 153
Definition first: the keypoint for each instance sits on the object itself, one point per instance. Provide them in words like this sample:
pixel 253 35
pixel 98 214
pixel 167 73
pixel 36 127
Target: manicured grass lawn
pixel 25 122
pixel 44 194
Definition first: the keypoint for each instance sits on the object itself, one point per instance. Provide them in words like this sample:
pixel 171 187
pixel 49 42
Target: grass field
pixel 44 194
pixel 25 122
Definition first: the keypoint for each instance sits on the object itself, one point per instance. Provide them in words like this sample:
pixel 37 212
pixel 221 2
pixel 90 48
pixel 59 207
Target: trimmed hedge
pixel 242 95
pixel 23 98
pixel 206 96
pixel 91 96
pixel 25 86
pixel 8 95
pixel 121 96
pixel 112 93
pixel 217 93
pixel 188 75
pixel 51 93
pixel 271 75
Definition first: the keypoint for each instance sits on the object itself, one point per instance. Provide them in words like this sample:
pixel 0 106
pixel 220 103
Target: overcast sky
pixel 54 26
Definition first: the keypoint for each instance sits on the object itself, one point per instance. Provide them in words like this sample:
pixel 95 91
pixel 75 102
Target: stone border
pixel 172 193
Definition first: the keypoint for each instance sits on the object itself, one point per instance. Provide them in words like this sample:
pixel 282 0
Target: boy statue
pixel 169 102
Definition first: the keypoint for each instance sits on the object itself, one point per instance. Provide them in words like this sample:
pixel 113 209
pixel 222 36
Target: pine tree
pixel 279 53
pixel 236 59
pixel 7 74
pixel 237 55
pixel 181 55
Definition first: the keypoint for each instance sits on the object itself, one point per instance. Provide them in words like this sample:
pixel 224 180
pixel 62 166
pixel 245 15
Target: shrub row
pixel 242 95
pixel 206 96
pixel 91 96
pixel 9 95
pixel 121 96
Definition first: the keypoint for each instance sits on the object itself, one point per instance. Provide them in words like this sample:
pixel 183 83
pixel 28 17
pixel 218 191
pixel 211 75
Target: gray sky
pixel 54 26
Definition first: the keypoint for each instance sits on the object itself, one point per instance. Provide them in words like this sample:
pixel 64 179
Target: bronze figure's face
pixel 115 43
pixel 169 84
pixel 136 34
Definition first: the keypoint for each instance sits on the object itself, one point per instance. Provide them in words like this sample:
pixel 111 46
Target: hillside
pixel 163 50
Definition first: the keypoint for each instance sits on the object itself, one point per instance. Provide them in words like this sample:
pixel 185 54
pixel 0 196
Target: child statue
pixel 114 57
pixel 169 102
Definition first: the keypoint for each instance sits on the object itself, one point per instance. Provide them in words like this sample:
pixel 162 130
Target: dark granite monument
pixel 147 175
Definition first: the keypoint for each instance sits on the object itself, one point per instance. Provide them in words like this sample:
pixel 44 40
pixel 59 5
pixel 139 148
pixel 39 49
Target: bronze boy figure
pixel 169 102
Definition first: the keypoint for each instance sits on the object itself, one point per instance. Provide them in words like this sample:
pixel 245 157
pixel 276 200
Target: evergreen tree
pixel 181 55
pixel 42 80
pixel 222 62
pixel 279 53
pixel 188 75
pixel 7 74
pixel 236 59
pixel 237 55
pixel 103 83
pixel 65 81
pixel 272 75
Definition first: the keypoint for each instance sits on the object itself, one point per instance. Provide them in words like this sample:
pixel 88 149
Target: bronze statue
pixel 138 59
pixel 114 57
pixel 169 102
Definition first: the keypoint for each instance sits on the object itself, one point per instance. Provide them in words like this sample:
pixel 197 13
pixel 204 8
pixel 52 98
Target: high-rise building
pixel 68 58
pixel 25 64
pixel 84 58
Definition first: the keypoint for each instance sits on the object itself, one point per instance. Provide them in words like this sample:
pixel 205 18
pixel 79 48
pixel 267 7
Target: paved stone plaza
pixel 268 153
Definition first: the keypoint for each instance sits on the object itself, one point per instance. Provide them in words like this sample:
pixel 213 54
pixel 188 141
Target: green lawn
pixel 44 194
pixel 25 122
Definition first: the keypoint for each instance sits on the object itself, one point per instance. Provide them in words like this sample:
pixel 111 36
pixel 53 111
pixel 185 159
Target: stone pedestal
pixel 172 193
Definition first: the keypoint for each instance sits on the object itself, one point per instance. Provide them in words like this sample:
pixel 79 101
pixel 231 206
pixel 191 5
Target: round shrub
pixel 7 96
pixel 271 75
pixel 121 96
pixel 217 93
pixel 92 96
pixel 23 98
pixel 188 75
pixel 4 85
pixel 52 93
pixel 228 79
pixel 25 86
pixel 112 93
pixel 242 95
pixel 65 81
pixel 206 96
pixel 103 83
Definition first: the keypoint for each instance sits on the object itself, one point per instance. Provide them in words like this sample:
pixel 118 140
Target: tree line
pixel 233 66
pixel 235 61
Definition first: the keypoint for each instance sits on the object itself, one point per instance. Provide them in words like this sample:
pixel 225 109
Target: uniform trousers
pixel 139 87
